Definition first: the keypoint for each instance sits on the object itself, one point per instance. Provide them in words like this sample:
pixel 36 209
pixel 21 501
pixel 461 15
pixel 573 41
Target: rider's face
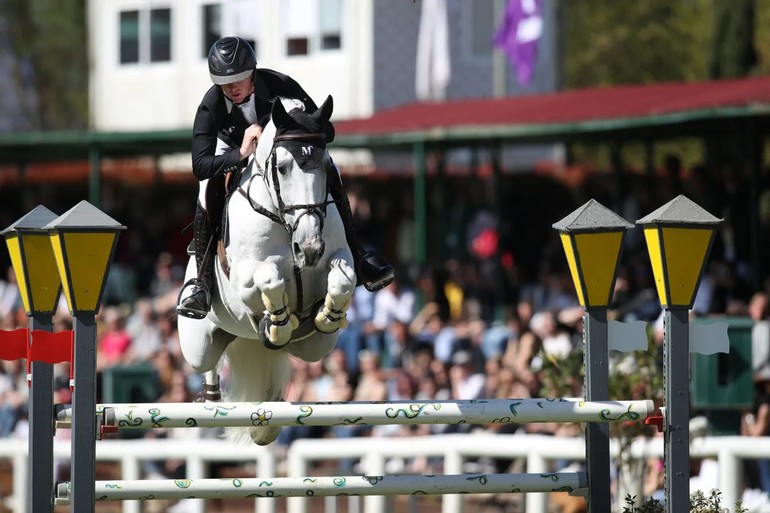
pixel 238 91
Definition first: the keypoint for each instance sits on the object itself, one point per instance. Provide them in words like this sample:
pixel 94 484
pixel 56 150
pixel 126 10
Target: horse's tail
pixel 256 374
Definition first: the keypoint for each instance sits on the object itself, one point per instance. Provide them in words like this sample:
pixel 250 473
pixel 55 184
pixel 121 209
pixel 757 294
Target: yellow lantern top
pixel 33 261
pixel 679 236
pixel 84 240
pixel 592 237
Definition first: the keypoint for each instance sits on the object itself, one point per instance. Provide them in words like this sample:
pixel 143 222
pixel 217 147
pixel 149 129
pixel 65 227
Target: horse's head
pixel 296 162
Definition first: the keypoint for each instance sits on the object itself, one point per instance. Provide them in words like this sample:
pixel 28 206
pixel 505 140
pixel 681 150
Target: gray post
pixel 40 490
pixel 84 415
pixel 596 356
pixel 676 349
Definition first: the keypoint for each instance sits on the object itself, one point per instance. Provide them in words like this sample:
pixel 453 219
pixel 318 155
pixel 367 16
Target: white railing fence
pixel 373 453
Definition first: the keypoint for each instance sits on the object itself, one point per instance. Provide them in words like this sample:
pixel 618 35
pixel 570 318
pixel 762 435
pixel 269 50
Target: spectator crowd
pixel 473 326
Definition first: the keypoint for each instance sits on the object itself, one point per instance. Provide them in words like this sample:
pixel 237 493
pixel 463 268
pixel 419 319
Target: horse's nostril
pixel 297 250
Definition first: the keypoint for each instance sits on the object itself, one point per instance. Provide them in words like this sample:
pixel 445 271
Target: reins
pixel 280 217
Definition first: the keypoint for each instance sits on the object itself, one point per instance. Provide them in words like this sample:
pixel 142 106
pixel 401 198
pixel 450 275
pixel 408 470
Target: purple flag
pixel 518 35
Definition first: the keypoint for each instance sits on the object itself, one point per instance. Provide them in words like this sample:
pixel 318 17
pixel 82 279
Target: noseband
pixel 318 209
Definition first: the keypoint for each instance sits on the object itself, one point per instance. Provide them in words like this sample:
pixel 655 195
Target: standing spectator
pixel 353 338
pixel 168 276
pixel 467 382
pixel 142 326
pixel 395 302
pixel 114 341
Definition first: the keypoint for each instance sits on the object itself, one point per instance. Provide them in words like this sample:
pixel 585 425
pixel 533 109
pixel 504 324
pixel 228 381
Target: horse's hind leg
pixel 211 391
pixel 202 343
pixel 257 375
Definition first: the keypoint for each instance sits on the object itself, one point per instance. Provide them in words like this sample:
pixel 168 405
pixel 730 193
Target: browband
pixel 299 137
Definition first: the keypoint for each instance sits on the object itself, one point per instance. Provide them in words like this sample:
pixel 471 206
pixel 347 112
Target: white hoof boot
pixel 280 324
pixel 330 317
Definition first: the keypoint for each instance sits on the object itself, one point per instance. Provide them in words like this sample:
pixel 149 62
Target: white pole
pixel 504 411
pixel 326 486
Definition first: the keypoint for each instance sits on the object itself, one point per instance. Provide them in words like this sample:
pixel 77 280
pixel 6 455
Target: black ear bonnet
pixel 307 152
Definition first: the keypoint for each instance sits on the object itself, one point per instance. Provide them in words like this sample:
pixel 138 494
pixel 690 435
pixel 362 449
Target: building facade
pixel 148 57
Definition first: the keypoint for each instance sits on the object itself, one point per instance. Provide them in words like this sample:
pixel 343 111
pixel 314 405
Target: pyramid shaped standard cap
pixel 85 216
pixel 591 217
pixel 35 219
pixel 680 211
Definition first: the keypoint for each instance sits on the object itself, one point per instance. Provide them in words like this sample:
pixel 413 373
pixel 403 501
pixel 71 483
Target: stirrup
pixel 374 286
pixel 373 272
pixel 192 313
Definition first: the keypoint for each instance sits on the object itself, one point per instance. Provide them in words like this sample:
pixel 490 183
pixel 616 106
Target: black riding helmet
pixel 231 59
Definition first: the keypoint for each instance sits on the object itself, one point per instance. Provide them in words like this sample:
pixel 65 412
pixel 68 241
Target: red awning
pixel 605 103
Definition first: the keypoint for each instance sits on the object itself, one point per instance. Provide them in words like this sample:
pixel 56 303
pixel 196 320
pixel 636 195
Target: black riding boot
pixel 372 271
pixel 198 303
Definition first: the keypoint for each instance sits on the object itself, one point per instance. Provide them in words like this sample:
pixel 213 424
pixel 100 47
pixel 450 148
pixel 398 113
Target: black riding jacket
pixel 217 117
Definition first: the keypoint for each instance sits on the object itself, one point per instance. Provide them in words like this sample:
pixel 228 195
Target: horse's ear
pixel 278 114
pixel 324 113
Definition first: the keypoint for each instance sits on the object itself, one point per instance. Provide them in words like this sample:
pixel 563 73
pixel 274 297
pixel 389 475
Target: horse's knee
pixel 342 279
pixel 253 278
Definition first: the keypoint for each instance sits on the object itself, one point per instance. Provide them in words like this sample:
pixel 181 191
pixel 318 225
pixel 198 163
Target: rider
pixel 227 125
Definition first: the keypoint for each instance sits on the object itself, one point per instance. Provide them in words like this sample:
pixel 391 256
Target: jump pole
pixel 254 414
pixel 250 488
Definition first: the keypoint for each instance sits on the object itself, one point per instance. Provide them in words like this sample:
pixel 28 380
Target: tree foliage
pixel 48 43
pixel 612 43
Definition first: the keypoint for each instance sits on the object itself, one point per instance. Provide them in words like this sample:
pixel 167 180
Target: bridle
pixel 318 209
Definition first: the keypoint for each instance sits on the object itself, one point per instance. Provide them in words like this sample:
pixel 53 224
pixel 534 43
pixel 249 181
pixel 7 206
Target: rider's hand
pixel 250 138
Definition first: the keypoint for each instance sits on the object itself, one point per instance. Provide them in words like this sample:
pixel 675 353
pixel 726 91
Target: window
pixel 129 37
pixel 312 25
pixel 145 36
pixel 212 27
pixel 331 25
pixel 160 35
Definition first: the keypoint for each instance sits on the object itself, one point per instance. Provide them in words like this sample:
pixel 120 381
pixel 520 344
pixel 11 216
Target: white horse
pixel 291 272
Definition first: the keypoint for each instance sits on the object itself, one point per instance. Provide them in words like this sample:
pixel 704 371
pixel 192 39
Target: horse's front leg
pixel 260 284
pixel 340 285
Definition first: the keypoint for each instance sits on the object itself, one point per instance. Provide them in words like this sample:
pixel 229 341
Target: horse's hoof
pixel 275 336
pixel 264 435
pixel 329 318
